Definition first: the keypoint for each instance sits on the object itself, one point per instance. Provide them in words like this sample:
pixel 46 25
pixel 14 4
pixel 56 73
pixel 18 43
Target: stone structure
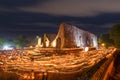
pixel 70 36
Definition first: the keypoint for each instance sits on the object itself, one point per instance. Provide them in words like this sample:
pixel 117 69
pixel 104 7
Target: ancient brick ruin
pixel 70 36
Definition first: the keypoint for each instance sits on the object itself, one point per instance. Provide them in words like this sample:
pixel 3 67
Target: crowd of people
pixel 23 60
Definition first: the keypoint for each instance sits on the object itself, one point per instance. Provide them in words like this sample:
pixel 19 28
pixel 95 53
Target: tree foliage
pixel 115 34
pixel 5 42
pixel 1 41
pixel 105 38
pixel 21 41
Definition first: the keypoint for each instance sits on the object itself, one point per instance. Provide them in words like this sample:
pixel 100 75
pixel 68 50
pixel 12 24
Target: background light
pixel 6 47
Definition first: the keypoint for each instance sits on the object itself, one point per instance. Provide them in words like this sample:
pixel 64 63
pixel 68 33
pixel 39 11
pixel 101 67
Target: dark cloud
pixel 42 23
pixel 63 7
pixel 76 7
pixel 15 3
pixel 41 16
pixel 29 18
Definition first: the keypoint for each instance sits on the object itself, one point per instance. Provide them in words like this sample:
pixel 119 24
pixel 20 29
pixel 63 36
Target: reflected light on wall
pixel 54 43
pixel 39 41
pixel 78 43
pixel 41 45
pixel 47 43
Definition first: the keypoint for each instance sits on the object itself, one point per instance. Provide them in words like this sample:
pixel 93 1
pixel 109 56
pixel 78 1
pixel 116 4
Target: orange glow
pixel 45 74
pixel 33 77
pixel 28 77
pixel 103 44
pixel 31 46
pixel 25 76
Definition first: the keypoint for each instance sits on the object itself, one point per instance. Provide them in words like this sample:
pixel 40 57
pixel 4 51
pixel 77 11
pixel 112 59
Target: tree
pixel 115 34
pixel 105 38
pixel 2 41
pixel 21 41
pixel 6 42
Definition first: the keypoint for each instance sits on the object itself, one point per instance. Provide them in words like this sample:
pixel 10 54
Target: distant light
pixel 31 46
pixel 86 49
pixel 103 44
pixel 7 47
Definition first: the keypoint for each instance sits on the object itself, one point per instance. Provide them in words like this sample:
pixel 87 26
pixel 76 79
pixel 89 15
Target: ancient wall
pixel 70 36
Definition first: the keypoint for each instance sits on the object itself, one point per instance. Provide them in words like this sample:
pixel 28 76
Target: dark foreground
pixel 8 76
pixel 116 73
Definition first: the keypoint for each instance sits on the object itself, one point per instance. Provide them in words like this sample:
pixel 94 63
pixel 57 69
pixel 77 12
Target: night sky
pixel 35 17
